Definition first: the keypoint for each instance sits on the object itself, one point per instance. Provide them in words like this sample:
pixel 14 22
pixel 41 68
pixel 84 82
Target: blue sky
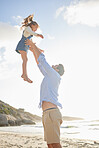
pixel 71 37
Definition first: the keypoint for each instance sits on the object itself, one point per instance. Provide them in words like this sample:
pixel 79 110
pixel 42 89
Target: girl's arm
pixel 28 31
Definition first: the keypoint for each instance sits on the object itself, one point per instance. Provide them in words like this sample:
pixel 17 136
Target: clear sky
pixel 71 37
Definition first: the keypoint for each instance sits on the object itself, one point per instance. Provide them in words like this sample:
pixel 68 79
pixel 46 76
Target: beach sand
pixel 17 140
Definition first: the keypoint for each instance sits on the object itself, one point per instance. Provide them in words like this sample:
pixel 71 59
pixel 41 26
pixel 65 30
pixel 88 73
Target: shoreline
pixel 24 140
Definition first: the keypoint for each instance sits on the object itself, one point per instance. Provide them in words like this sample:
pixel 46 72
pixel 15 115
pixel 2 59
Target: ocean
pixel 80 129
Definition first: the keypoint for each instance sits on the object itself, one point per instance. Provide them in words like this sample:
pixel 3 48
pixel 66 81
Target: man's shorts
pixel 52 119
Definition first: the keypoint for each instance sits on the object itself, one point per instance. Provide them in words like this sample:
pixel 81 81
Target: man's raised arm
pixel 39 57
pixel 36 51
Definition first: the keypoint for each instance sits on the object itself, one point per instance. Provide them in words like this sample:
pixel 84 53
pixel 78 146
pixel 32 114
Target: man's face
pixel 55 67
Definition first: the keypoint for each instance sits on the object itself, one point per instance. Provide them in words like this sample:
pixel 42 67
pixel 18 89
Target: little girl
pixel 29 30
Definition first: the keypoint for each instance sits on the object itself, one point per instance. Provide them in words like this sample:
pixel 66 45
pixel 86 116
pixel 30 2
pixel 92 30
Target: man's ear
pixel 57 70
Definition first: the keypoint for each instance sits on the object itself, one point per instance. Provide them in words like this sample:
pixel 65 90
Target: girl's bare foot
pixel 25 78
pixel 22 76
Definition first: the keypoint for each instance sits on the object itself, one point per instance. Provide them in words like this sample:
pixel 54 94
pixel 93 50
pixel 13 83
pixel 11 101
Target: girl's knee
pixel 25 59
pixel 24 55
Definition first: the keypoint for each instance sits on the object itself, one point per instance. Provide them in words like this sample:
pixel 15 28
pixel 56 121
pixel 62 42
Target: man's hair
pixel 61 69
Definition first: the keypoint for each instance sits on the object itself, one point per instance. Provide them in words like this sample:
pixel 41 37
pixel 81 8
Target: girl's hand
pixel 40 35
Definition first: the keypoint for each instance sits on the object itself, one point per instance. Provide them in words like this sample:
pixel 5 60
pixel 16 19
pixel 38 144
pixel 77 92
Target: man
pixel 51 117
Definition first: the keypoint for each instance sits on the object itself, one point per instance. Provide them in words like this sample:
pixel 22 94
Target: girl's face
pixel 34 27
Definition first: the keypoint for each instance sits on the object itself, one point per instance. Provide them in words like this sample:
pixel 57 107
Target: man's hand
pixel 30 43
pixel 33 48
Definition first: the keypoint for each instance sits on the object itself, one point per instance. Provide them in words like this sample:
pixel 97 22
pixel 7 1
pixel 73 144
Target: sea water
pixel 82 129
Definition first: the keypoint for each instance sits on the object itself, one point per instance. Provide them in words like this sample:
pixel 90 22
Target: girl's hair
pixel 28 21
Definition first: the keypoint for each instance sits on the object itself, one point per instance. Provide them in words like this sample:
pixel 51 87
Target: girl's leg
pixel 24 66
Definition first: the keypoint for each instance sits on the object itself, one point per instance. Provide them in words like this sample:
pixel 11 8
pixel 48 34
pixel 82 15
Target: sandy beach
pixel 19 140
